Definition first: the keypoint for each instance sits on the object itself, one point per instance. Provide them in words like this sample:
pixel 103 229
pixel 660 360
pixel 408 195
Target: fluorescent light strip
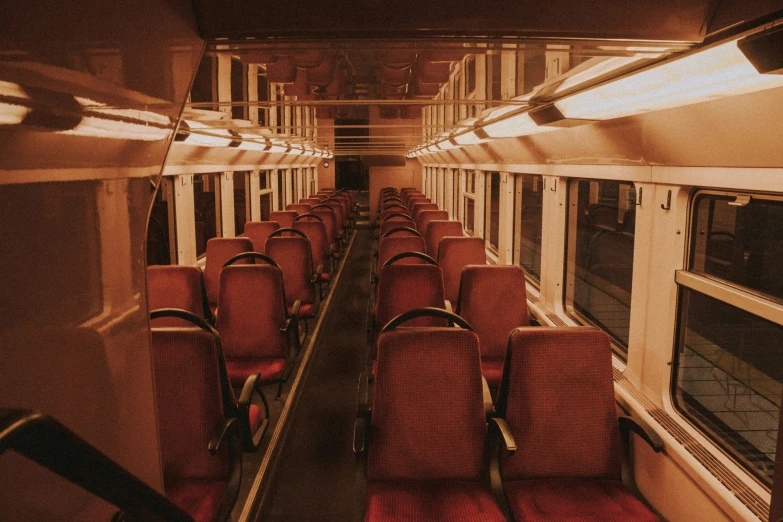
pixel 714 73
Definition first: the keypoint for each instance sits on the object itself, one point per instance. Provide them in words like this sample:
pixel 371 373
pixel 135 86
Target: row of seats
pixel 431 420
pixel 490 297
pixel 236 325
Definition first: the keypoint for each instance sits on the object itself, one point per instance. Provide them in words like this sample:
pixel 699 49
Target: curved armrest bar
pixel 251 385
pixel 228 428
pixel 308 216
pixel 508 438
pixel 317 275
pixel 426 312
pixel 409 230
pixel 363 401
pixel 179 313
pixel 251 255
pixel 293 319
pixel 489 406
pixel 403 255
pixel 631 424
pixel 288 230
pixel 322 206
pixel 359 436
pixel 396 205
pixel 399 214
pixel 45 441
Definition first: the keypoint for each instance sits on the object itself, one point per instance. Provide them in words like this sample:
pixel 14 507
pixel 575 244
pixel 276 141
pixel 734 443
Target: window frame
pixel 517 225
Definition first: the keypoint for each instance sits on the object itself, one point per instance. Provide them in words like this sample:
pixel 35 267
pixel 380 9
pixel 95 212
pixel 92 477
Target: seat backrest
pixel 557 394
pixel 220 250
pixel 453 255
pixel 427 412
pixel 393 205
pixel 393 245
pixel 437 230
pixel 425 216
pixel 258 231
pixel 338 210
pixel 299 208
pixel 312 201
pixel 175 286
pixel 345 201
pixel 409 198
pixel 285 218
pixel 393 223
pixel 419 207
pixel 397 213
pixel 403 287
pixel 492 299
pixel 319 197
pixel 189 401
pixel 319 241
pixel 251 309
pixel 295 258
pixel 329 218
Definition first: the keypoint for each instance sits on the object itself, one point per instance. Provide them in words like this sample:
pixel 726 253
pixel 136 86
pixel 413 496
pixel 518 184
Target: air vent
pixel 531 297
pixel 744 494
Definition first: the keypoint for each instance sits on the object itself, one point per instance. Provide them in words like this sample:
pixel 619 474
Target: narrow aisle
pixel 314 479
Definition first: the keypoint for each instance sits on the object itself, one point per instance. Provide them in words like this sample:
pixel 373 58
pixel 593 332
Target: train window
pixel 729 378
pixel 263 95
pixel 600 254
pixel 281 185
pixel 528 223
pixel 204 89
pixel 294 173
pixel 470 75
pixel 238 89
pixel 492 211
pixel 241 179
pixel 455 186
pixel 729 364
pixel 205 210
pixel 493 77
pixel 158 231
pixel 739 239
pixel 265 194
pixel 468 217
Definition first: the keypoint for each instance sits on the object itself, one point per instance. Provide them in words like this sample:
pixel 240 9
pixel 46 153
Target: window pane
pixel 470 182
pixel 528 235
pixel 468 217
pixel 455 180
pixel 204 209
pixel 603 258
pixel 263 179
pixel 266 205
pixel 281 190
pixel 158 241
pixel 729 378
pixel 240 203
pixel 493 209
pixel 470 74
pixel 741 244
pixel 238 88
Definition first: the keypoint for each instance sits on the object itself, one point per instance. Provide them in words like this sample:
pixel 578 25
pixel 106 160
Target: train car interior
pixel 361 261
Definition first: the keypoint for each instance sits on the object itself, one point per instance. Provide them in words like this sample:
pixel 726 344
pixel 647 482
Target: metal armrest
pixel 359 436
pixel 489 406
pixel 293 319
pixel 251 440
pixel 448 306
pixel 317 275
pixel 505 432
pixel 363 404
pixel 229 428
pixel 632 424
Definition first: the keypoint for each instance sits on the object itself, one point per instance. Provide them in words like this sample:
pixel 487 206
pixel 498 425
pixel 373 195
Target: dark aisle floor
pixel 314 480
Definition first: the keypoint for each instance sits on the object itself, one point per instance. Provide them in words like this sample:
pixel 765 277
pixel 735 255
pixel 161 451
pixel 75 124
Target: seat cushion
pixel 200 498
pixel 325 277
pixel 305 310
pixel 577 500
pixel 492 370
pixel 269 370
pixel 420 501
pixel 254 417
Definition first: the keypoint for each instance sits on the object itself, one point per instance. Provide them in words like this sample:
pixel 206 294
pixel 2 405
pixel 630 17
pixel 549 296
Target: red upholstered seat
pixel 425 216
pixel 424 501
pixel 294 257
pixel 299 208
pixel 394 222
pixel 329 218
pixel 416 198
pixel 577 500
pixel 250 313
pixel 319 241
pixel 190 405
pixel 558 399
pixel 437 230
pixel 405 287
pixel 312 201
pixel 338 210
pixel 220 250
pixel 200 498
pixel 254 416
pixel 175 286
pixel 284 217
pixel 270 369
pixel 453 255
pixel 426 454
pixel 492 299
pixel 258 232
pixel 419 207
pixel 396 244
pixel 394 211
